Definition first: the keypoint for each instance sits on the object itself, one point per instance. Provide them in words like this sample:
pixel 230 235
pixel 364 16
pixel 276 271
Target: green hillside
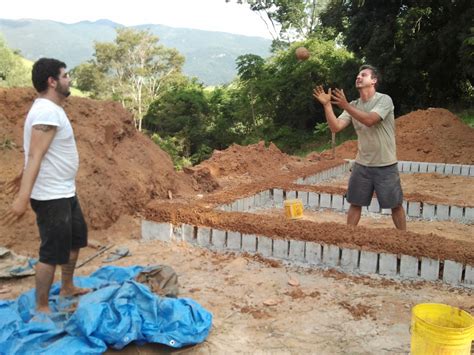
pixel 210 56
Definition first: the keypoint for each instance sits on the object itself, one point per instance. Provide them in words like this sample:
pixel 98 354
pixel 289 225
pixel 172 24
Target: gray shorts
pixel 385 181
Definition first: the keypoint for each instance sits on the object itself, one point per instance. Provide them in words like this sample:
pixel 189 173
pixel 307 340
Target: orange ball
pixel 302 53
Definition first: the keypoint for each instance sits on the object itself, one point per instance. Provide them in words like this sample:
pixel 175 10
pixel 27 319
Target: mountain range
pixel 210 56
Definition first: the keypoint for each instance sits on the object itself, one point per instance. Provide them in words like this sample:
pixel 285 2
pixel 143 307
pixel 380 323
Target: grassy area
pixel 467 116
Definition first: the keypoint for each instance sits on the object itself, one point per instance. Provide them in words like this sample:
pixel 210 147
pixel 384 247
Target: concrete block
pixel 452 272
pixel 296 251
pixel 240 205
pixel 423 167
pixel 313 200
pixel 471 170
pixel 431 168
pixel 303 196
pixel 157 231
pixel 388 264
pixel 465 170
pixel 234 240
pixel 346 204
pixel 204 237
pixel 386 211
pixel 428 211
pixel 457 169
pixel 368 262
pixel 290 195
pixel 406 166
pixel 440 168
pixel 249 243
pixel 455 212
pixel 414 209
pixel 188 233
pixel 280 248
pixel 245 204
pixel 349 259
pixel 337 202
pixel 415 166
pixel 429 269
pixel 469 275
pixel 278 197
pixel 219 239
pixel 442 212
pixel 300 181
pixel 448 169
pixel 400 166
pixel 374 206
pixel 469 214
pixel 265 246
pixel 313 253
pixel 408 267
pixel 405 206
pixel 325 201
pixel 331 255
pixel 235 206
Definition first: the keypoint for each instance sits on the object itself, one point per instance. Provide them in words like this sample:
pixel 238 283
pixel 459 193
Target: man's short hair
pixel 374 72
pixel 43 69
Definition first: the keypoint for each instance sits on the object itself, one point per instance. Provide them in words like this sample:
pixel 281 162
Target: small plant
pixel 7 143
pixel 321 129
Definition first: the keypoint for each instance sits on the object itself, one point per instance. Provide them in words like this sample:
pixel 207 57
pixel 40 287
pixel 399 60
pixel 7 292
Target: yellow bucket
pixel 294 208
pixel 441 329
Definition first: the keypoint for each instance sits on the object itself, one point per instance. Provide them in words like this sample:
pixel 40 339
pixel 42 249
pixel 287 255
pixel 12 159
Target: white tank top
pixel 57 174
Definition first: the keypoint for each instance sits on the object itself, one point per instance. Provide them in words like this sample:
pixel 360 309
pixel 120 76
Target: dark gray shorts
pixel 385 181
pixel 61 227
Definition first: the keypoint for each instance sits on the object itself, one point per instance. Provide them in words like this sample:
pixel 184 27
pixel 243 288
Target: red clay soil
pixel 120 170
pixel 433 135
pixel 123 173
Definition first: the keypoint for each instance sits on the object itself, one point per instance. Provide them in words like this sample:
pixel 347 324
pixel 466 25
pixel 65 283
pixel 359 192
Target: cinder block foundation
pixel 388 264
pixel 280 248
pixel 157 231
pixel 429 269
pixel 219 238
pixel 349 259
pixel 249 243
pixel 452 272
pixel 265 246
pixel 313 253
pixel 408 267
pixel 234 240
pixel 368 262
pixel 296 251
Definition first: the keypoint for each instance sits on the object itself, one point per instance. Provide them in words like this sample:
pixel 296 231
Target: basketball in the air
pixel 301 53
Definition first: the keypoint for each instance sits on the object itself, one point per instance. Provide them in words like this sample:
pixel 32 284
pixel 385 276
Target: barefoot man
pixel 375 168
pixel 47 182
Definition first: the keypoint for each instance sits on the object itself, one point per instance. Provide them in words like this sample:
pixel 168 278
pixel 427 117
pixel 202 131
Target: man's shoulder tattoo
pixel 44 127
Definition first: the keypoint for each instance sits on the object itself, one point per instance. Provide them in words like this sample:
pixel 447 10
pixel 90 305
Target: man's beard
pixel 63 91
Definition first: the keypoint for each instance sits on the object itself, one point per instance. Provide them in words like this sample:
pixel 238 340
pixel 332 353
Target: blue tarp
pixel 118 312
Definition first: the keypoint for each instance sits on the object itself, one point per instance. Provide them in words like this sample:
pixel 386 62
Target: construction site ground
pixel 258 305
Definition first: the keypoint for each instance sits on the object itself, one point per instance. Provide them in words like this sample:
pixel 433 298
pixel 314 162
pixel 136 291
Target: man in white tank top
pixel 48 182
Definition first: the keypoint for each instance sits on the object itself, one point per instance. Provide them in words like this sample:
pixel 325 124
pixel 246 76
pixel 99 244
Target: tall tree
pixel 423 48
pixel 133 68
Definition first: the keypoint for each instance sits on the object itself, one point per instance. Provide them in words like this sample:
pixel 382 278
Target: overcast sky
pixel 212 15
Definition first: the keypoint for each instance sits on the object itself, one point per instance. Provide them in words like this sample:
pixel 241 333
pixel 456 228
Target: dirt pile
pixel 432 135
pixel 120 170
pixel 249 163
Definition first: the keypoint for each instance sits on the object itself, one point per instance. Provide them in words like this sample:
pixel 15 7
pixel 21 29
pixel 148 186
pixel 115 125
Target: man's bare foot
pixel 43 309
pixel 73 291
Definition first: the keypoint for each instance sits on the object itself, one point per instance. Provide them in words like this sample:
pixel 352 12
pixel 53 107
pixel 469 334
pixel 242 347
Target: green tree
pixel 13 70
pixel 423 48
pixel 132 69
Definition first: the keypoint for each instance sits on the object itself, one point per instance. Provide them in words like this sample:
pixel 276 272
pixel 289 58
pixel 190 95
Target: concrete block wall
pixel 312 254
pixel 316 201
pixel 440 168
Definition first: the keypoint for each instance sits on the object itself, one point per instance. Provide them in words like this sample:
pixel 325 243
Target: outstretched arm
pixel 325 99
pixel 367 118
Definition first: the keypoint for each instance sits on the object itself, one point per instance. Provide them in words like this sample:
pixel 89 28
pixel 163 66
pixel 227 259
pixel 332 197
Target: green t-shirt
pixel 376 144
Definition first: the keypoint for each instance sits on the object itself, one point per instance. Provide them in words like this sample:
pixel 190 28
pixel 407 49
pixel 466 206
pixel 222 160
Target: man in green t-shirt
pixel 375 167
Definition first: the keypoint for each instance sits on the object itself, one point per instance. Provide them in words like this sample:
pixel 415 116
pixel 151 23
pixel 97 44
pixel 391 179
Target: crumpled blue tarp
pixel 118 312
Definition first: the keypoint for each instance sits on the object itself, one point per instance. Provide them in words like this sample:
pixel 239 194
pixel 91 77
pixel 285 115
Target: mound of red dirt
pixel 120 171
pixel 251 162
pixel 432 135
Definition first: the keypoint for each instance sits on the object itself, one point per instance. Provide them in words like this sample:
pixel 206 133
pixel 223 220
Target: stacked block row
pixel 312 254
pixel 315 201
pixel 325 175
pixel 439 168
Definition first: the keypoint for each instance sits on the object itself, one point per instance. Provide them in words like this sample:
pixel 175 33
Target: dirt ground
pixel 124 177
pixel 325 313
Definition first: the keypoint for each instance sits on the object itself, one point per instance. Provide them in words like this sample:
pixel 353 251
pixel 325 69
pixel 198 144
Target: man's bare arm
pixel 367 118
pixel 325 99
pixel 41 138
